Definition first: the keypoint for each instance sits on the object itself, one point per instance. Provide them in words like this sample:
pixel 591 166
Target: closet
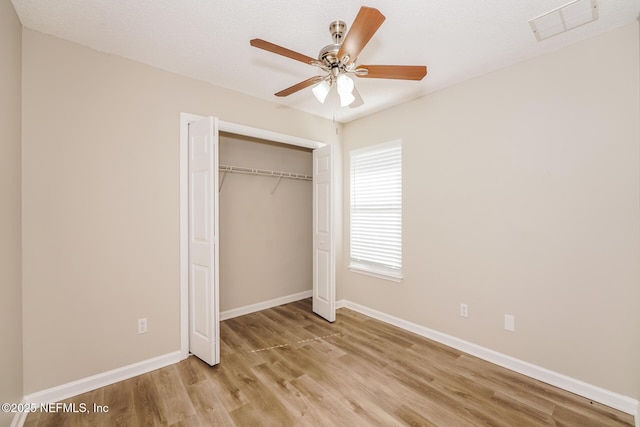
pixel 265 222
pixel 247 204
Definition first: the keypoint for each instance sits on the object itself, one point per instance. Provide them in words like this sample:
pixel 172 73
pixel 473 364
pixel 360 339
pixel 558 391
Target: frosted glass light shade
pixel 346 99
pixel 321 90
pixel 345 87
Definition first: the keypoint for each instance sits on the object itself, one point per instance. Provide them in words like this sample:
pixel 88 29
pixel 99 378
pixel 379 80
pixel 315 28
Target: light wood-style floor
pixel 287 367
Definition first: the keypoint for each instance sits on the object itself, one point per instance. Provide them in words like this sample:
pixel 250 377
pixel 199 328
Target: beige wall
pixel 101 203
pixel 10 209
pixel 521 196
pixel 265 239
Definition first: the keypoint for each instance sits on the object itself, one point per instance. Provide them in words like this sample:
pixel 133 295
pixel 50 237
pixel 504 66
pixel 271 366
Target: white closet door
pixel 324 282
pixel 204 320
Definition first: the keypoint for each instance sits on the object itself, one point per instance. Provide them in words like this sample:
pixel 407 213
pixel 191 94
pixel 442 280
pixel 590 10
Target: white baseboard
pixel 606 397
pixel 248 309
pixel 19 418
pixel 74 388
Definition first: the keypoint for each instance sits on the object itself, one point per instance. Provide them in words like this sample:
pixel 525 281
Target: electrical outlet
pixel 142 325
pixel 464 310
pixel 510 322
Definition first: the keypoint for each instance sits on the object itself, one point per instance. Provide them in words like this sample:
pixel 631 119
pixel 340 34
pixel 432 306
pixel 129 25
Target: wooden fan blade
pixel 400 72
pixel 363 28
pixel 274 48
pixel 299 86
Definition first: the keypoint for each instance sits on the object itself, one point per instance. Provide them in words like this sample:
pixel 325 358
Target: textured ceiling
pixel 209 39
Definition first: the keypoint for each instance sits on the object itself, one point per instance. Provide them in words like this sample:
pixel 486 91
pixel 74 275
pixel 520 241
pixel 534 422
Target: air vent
pixel 564 18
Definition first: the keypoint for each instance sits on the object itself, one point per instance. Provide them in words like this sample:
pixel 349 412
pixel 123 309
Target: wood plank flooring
pixel 287 367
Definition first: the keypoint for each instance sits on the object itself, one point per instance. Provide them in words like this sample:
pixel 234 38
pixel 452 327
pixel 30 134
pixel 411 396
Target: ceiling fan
pixel 338 60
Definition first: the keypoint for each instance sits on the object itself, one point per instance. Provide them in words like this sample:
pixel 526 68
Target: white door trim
pixel 185 119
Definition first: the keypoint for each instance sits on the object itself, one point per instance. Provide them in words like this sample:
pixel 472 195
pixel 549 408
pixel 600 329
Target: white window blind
pixel 376 210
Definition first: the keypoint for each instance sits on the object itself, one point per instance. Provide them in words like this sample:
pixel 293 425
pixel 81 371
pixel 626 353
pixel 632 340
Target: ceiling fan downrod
pixel 337 29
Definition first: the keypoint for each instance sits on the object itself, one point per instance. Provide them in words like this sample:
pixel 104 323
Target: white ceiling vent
pixel 564 18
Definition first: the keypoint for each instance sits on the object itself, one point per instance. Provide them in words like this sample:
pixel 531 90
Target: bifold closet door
pixel 204 317
pixel 324 283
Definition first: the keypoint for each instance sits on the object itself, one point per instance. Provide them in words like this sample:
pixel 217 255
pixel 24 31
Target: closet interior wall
pixel 265 235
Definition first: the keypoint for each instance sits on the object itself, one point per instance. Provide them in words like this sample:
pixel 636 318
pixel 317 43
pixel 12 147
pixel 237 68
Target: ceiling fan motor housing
pixel 329 54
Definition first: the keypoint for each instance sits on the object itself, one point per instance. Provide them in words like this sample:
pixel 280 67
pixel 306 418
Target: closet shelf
pixel 262 172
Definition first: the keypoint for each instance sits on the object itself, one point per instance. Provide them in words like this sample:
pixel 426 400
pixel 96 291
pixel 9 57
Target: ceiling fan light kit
pixel 338 60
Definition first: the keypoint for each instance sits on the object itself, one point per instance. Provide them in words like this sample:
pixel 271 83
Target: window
pixel 376 210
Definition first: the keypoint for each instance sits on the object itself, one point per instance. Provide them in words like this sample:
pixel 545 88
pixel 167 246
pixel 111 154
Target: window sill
pixel 380 274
